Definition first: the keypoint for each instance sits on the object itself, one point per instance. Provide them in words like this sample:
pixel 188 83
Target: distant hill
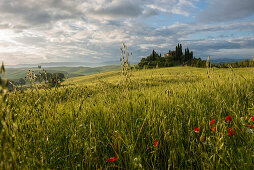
pixel 16 73
pixel 65 64
pixel 54 64
pixel 227 60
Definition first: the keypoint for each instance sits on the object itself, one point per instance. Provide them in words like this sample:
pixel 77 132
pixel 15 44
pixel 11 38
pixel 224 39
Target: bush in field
pixel 22 82
pixel 56 79
pixel 48 79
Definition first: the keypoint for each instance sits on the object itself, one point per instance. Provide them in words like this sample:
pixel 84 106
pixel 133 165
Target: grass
pixel 93 118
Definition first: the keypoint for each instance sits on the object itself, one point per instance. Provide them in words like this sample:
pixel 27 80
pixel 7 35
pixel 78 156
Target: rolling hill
pixel 16 73
pixel 164 118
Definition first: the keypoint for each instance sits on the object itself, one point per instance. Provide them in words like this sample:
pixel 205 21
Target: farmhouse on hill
pixel 169 54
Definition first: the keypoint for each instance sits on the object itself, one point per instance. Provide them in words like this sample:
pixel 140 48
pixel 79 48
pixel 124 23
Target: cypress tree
pixel 191 55
pixel 185 55
pixel 178 48
pixel 153 58
pixel 188 54
pixel 181 53
pixel 175 57
pixel 181 50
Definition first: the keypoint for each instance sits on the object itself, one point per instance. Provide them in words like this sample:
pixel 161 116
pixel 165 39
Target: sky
pixel 42 31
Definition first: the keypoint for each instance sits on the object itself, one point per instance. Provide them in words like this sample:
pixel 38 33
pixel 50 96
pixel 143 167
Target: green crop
pixel 100 121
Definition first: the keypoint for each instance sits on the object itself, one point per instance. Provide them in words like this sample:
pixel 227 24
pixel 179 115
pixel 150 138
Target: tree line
pixel 177 58
pixel 172 58
pixel 239 64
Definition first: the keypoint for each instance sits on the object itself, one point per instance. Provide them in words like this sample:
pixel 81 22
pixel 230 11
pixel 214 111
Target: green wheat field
pixel 156 119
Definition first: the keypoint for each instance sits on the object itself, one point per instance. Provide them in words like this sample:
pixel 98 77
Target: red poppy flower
pixel 252 118
pixel 213 129
pixel 251 126
pixel 228 118
pixel 196 130
pixel 212 122
pixel 112 159
pixel 155 143
pixel 231 132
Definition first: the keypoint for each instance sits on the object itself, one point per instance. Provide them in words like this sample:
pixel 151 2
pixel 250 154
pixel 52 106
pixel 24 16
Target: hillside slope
pixel 156 119
pixel 16 73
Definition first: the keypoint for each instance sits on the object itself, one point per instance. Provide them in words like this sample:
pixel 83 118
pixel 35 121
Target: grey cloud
pixel 227 10
pixel 183 30
pixel 213 45
pixel 180 7
pixel 167 37
pixel 38 12
pixel 120 8
pixel 30 13
pixel 46 17
pixel 149 12
pixel 4 26
pixel 31 41
pixel 239 47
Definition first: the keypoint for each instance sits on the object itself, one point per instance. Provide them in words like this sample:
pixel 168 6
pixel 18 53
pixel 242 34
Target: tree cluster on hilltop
pixel 172 58
pixel 155 60
pixel 177 57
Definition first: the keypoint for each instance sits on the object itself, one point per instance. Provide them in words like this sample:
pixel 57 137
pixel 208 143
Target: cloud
pixel 180 7
pixel 149 12
pixel 227 10
pixel 165 39
pixel 33 31
pixel 4 26
pixel 31 12
pixel 240 47
pixel 118 8
pixel 183 30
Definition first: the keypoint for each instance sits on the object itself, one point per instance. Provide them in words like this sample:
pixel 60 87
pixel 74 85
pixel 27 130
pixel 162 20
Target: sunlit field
pixel 178 117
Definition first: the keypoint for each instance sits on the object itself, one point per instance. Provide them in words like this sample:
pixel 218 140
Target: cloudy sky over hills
pixel 36 31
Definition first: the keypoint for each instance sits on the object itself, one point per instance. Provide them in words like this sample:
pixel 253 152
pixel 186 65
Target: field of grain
pixel 157 119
